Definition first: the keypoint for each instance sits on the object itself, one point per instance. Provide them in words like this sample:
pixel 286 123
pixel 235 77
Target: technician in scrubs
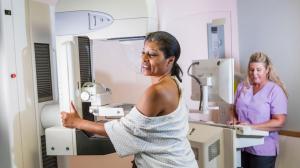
pixel 261 102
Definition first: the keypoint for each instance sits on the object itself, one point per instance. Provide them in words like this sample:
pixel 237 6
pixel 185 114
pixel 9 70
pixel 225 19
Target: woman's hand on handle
pixel 70 119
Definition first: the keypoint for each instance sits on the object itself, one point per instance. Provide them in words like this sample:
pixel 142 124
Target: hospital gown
pixel 155 142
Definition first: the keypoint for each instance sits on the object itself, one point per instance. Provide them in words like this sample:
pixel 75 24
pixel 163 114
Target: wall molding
pixel 290 133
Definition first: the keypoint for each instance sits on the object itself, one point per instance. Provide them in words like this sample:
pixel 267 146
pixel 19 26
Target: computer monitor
pixel 216 78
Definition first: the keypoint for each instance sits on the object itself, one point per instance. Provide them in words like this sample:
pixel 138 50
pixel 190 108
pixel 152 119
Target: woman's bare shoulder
pixel 159 99
pixel 151 102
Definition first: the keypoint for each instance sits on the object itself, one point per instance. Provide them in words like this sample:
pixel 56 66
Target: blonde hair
pixel 272 75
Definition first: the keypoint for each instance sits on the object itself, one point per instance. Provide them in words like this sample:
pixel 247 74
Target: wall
pixel 104 161
pixel 289 152
pixel 272 26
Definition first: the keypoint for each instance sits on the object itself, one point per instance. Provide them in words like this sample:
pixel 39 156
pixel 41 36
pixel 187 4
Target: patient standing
pixel 155 130
pixel 261 102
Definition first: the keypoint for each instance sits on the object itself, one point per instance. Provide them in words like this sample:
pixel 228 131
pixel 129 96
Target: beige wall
pixel 105 161
pixel 289 152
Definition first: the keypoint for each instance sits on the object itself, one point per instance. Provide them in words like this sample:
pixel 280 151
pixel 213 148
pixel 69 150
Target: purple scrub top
pixel 258 108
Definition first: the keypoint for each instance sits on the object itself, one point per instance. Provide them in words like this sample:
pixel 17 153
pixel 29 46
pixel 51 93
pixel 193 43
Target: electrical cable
pixel 198 81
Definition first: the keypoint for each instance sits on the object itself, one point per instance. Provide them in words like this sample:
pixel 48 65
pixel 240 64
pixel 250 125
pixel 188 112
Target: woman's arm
pixel 72 120
pixel 274 124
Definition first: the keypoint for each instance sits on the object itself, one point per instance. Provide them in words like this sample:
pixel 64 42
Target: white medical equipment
pixel 100 98
pixel 101 19
pixel 219 145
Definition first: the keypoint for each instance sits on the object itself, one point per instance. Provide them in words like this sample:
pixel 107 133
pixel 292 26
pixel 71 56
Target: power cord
pixel 198 81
